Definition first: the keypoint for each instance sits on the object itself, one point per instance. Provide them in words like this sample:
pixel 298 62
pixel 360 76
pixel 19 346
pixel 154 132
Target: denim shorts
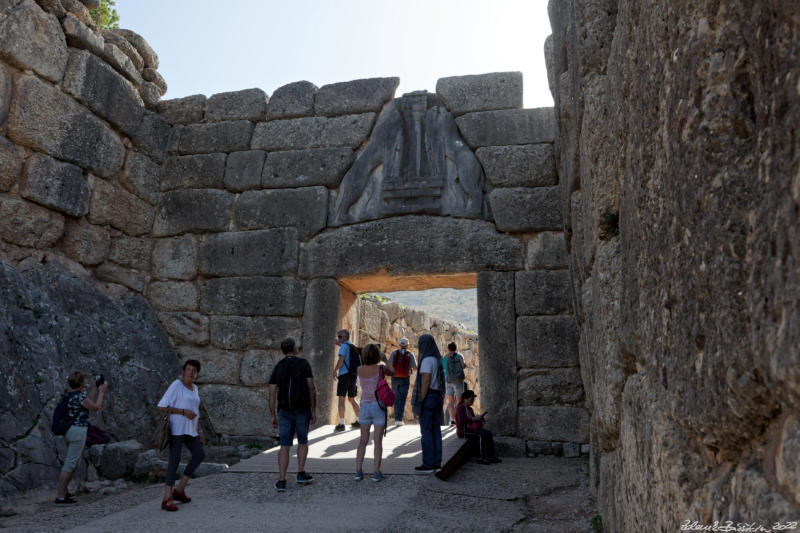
pixel 291 422
pixel 371 413
pixel 455 388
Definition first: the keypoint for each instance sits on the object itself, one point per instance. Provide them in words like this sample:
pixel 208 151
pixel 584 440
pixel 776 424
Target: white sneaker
pixel 399 423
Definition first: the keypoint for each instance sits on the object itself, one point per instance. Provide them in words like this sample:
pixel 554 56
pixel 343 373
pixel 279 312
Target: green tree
pixel 105 15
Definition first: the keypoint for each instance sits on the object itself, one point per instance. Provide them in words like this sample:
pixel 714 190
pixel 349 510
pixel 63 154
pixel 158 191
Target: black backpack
pixel 294 388
pixel 454 371
pixel 354 359
pixel 61 419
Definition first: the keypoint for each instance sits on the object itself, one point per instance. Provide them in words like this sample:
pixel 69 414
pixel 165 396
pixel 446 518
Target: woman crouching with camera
pixel 183 403
pixel 78 407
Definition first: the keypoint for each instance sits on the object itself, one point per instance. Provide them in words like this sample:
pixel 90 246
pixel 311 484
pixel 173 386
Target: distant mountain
pixel 454 305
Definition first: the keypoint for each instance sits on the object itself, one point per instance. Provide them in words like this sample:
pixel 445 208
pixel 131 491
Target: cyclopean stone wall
pixel 243 218
pixel 678 162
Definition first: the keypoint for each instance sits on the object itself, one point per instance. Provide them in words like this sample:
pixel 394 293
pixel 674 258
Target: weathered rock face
pixel 54 323
pixel 679 189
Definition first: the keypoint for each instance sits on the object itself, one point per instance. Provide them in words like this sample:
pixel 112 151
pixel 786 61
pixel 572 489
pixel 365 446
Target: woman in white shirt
pixel 183 403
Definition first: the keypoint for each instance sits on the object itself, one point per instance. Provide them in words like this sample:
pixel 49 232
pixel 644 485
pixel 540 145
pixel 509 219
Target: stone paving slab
pixel 335 453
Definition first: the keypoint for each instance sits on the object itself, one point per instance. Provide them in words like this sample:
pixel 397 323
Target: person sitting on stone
pixel 471 426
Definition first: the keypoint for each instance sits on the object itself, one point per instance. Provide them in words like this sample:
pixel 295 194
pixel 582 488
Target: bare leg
pixel 377 443
pixel 354 404
pixel 450 409
pixel 302 453
pixel 362 446
pixel 283 462
pixel 167 493
pixel 457 400
pixel 182 483
pixel 63 480
pixel 341 407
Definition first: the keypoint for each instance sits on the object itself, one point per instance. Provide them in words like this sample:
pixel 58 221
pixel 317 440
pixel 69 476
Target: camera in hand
pixel 99 380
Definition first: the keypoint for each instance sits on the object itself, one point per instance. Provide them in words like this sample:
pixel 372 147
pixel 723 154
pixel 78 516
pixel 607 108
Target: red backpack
pixel 401 363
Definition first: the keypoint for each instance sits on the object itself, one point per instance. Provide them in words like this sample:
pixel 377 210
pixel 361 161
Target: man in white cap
pixel 404 364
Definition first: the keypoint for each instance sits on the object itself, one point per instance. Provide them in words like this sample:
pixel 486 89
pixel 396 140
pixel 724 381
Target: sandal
pixel 168 505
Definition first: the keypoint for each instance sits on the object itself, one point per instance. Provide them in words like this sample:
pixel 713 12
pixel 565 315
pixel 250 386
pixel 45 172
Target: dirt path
pixel 519 495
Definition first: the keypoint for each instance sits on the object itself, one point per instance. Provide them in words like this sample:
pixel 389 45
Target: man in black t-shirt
pixel 293 395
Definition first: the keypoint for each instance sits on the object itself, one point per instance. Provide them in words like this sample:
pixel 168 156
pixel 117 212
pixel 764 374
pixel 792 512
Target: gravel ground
pixel 544 494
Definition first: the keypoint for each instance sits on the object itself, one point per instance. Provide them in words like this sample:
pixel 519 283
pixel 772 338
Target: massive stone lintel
pixel 415 162
pixel 408 245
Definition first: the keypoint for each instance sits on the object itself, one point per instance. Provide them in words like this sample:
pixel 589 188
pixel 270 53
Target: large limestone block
pixel 142 177
pixel 193 210
pixel 231 332
pixel 173 295
pixel 114 273
pixel 119 458
pixel 243 170
pixel 249 253
pixel 313 132
pixel 510 126
pixel 231 409
pixel 44 118
pixel 186 326
pixel 547 250
pixel 125 47
pixel 249 104
pixel 218 366
pixel 86 243
pixel 546 342
pixel 175 258
pixel 481 92
pixel 547 386
pixel 319 327
pixel 11 164
pixel 554 423
pixel 132 252
pixel 186 110
pixel 543 292
pixel 270 331
pixel 104 91
pixel 145 50
pixel 527 165
pixel 305 209
pixel 203 171
pixel 292 100
pixel 410 244
pixel 152 136
pixel 32 39
pixel 253 296
pixel 54 184
pixel 498 363
pixel 228 136
pixel 28 224
pixel 521 209
pixel 112 205
pixel 304 168
pixel 80 36
pixel 357 96
pixel 156 78
pixel 115 57
pixel 257 366
pixel 6 85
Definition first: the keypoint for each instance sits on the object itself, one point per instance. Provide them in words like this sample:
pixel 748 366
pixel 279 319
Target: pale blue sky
pixel 206 46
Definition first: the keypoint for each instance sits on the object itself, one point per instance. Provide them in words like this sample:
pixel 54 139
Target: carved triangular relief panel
pixel 415 162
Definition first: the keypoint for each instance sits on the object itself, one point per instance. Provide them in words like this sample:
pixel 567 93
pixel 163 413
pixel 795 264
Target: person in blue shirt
pixel 345 375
